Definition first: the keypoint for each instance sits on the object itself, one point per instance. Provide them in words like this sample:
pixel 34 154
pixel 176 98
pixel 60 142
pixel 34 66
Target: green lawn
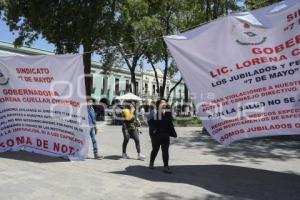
pixel 187 121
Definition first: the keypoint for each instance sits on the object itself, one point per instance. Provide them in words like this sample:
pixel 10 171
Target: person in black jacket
pixel 161 128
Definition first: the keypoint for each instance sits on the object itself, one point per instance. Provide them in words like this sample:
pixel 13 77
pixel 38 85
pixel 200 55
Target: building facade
pixel 106 87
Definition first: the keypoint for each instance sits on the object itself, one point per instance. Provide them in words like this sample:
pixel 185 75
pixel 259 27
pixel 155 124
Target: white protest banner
pixel 42 105
pixel 243 72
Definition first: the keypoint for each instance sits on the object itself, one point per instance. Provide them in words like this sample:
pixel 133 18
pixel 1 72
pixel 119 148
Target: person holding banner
pixel 93 129
pixel 129 129
pixel 161 128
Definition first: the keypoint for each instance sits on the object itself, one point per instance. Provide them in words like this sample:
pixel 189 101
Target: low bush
pixel 187 121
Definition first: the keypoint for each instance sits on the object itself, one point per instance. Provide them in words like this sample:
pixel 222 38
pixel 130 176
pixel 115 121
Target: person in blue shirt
pixel 92 125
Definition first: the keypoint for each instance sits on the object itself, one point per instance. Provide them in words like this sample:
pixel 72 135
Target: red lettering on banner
pixel 63 148
pixel 293 16
pixel 42 143
pixel 296 52
pixel 297 38
pixel 32 70
pixel 253 130
pixel 24 92
pixel 255 61
pixel 219 71
pixel 278 48
pixel 10 142
pixel 20 140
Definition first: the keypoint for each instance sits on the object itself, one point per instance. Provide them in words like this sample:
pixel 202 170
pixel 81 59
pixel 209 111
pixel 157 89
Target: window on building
pixel 180 94
pixel 127 86
pixel 104 85
pixel 174 94
pixel 137 86
pixel 146 88
pixel 117 86
pixel 153 89
pixel 168 90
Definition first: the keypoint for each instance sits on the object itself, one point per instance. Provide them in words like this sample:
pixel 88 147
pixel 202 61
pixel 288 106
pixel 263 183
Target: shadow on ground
pixel 113 157
pixel 30 157
pixel 278 148
pixel 168 196
pixel 233 182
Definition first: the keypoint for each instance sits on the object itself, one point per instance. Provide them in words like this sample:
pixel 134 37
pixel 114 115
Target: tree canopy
pixel 67 24
pixel 254 4
pixel 128 29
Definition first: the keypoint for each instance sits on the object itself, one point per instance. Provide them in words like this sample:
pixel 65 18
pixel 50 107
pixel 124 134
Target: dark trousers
pixel 134 135
pixel 164 142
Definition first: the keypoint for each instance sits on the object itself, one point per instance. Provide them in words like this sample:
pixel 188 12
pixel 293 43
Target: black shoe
pixel 167 170
pixel 151 166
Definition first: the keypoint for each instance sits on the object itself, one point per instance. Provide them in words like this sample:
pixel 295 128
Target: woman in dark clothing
pixel 161 129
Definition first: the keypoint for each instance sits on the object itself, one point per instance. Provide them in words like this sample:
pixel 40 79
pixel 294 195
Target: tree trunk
pixel 186 106
pixel 186 94
pixel 155 74
pixel 166 60
pixel 162 91
pixel 133 82
pixel 166 55
pixel 226 7
pixel 173 88
pixel 216 9
pixel 207 10
pixel 87 58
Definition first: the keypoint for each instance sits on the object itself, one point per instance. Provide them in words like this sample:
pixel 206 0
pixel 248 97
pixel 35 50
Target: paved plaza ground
pixel 259 169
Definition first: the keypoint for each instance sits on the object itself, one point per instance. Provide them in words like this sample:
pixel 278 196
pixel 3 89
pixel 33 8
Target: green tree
pixel 135 25
pixel 175 16
pixel 165 14
pixel 172 72
pixel 110 63
pixel 2 4
pixel 254 4
pixel 67 24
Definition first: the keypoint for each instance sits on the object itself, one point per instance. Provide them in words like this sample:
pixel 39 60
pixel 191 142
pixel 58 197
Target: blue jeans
pixel 93 137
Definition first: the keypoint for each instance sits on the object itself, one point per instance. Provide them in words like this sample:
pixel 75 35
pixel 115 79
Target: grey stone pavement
pixel 255 169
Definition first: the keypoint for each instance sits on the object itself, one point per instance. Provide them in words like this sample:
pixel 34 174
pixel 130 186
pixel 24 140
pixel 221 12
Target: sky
pixel 7 36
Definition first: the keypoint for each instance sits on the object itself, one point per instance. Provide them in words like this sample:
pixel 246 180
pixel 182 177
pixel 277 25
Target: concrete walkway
pixel 254 169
